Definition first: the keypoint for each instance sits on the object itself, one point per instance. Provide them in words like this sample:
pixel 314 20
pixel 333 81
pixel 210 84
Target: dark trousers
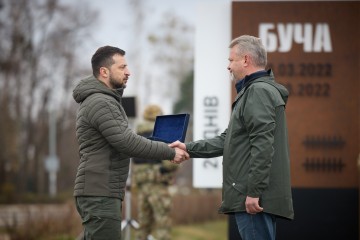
pixel 101 217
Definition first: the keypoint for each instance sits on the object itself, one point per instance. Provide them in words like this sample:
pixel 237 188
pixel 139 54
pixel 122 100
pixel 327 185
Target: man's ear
pixel 247 59
pixel 104 72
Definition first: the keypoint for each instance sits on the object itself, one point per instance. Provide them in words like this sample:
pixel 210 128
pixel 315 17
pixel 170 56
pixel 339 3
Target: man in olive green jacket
pixel 106 144
pixel 256 164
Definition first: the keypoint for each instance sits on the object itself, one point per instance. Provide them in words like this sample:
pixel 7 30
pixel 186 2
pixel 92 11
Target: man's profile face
pixel 237 71
pixel 119 72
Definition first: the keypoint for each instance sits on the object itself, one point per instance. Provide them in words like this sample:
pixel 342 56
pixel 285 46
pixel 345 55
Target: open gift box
pixel 170 128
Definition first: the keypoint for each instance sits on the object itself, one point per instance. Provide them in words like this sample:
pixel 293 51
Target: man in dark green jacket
pixel 106 144
pixel 256 164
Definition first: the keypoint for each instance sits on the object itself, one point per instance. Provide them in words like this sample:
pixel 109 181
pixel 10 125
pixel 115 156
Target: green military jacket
pixel 255 150
pixel 106 141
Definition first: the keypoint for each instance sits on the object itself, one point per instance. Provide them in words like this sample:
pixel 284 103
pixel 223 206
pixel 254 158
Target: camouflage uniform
pixel 152 180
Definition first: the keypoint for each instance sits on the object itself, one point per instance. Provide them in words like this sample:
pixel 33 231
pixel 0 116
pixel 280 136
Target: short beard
pixel 115 85
pixel 232 78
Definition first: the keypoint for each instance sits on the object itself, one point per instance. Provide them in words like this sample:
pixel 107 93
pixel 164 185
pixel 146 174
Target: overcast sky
pixel 116 20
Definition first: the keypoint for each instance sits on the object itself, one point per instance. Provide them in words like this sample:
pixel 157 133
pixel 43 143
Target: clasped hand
pixel 181 153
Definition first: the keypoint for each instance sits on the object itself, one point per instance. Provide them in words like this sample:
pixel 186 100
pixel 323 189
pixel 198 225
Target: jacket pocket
pixel 241 188
pixel 234 198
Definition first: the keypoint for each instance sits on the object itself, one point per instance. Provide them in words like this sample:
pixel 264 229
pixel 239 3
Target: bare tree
pixel 170 57
pixel 40 40
pixel 173 45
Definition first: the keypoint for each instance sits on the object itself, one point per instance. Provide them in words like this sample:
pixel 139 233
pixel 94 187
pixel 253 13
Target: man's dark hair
pixel 103 58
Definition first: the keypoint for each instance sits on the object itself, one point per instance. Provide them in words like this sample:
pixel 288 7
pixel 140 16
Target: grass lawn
pixel 215 230
pixel 212 230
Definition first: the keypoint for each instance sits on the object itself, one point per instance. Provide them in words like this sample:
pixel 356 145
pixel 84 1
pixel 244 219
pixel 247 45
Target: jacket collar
pixel 90 85
pixel 248 80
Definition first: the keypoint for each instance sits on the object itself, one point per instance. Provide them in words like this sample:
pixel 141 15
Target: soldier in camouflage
pixel 152 180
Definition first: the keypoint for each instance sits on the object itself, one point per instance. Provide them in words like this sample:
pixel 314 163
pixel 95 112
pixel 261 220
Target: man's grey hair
pixel 252 46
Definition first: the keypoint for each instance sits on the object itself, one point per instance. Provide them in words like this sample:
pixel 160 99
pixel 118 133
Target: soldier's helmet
pixel 151 111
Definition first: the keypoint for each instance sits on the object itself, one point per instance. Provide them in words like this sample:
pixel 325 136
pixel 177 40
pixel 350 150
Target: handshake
pixel 180 152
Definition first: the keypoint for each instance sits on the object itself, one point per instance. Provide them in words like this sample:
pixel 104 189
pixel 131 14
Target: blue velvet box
pixel 170 128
